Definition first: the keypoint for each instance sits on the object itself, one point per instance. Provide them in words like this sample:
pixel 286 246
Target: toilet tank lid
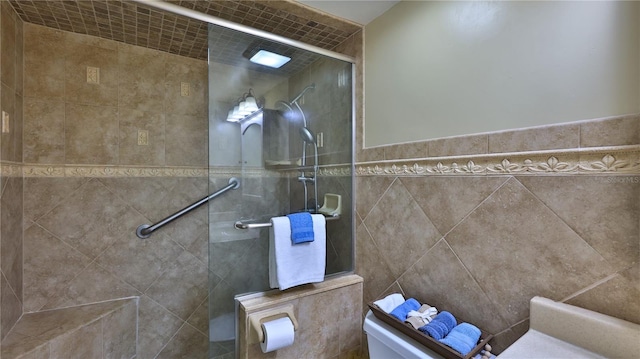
pixel 395 340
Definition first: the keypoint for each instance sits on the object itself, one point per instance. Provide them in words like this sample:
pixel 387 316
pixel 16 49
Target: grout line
pixel 379 198
pixel 506 177
pixel 588 288
pixel 574 230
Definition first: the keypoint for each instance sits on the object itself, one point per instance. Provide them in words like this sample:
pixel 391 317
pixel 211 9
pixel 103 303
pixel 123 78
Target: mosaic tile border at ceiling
pixel 136 24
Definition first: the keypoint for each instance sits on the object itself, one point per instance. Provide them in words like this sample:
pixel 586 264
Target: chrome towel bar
pixel 241 225
pixel 145 230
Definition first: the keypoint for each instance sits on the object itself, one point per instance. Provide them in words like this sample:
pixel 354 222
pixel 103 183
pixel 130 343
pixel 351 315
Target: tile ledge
pixel 258 301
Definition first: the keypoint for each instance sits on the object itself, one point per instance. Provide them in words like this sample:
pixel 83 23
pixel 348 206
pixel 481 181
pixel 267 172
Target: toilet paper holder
pixel 256 319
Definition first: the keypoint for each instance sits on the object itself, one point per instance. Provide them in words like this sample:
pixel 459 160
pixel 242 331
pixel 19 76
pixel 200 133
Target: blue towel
pixel 301 227
pixel 463 338
pixel 439 326
pixel 436 330
pixel 403 309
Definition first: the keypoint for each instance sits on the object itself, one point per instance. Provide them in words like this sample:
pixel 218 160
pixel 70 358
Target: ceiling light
pixel 271 59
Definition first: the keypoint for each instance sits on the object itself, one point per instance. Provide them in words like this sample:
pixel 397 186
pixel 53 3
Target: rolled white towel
pixel 426 315
pixel 390 302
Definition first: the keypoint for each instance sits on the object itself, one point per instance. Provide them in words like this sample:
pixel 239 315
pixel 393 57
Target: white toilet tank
pixel 386 342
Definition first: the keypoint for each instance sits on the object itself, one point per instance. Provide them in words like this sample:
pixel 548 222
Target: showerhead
pixel 306 135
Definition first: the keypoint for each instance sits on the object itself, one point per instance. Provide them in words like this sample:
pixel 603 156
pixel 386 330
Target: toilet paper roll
pixel 278 334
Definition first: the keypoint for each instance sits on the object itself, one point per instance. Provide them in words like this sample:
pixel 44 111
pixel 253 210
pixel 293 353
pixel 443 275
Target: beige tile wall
pixel 11 203
pixel 108 330
pixel 612 131
pixel 80 247
pixel 89 223
pixel 482 246
pixel 71 121
pixel 328 316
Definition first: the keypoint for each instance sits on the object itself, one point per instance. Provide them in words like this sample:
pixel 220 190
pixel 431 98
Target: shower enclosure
pixel 288 152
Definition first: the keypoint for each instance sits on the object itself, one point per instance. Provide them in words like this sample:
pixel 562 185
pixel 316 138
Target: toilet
pixel 386 342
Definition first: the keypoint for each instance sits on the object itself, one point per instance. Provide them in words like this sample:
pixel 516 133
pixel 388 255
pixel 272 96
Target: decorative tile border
pixel 10 169
pixel 31 170
pixel 600 160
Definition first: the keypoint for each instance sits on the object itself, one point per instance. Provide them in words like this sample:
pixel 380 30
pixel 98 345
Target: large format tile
pixel 446 200
pixel 182 287
pixel 140 64
pixel 16 150
pixel 156 327
pixel 253 275
pixel 516 248
pixel 143 96
pixel 349 299
pixel 371 266
pixel 187 343
pixel 148 195
pixel 369 190
pixel 91 134
pixel 536 138
pixel 603 210
pixel 104 219
pixel 78 89
pixel 59 330
pixel 141 74
pixel 42 194
pixel 456 146
pixel 406 151
pixel 19 57
pixel 69 347
pixel 131 152
pixel 617 297
pixel 44 62
pixel 191 74
pixel 139 262
pixel 441 280
pixel 93 284
pixel 119 332
pixel 11 307
pixel 400 228
pixel 186 140
pixel 200 318
pixel 8 105
pixel 8 46
pixel 611 132
pixel 44 124
pixel 11 256
pixel 49 264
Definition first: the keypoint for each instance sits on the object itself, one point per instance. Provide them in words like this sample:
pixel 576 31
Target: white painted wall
pixel 439 69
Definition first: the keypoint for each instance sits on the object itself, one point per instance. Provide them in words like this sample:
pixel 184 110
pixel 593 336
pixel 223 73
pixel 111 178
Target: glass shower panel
pixel 287 156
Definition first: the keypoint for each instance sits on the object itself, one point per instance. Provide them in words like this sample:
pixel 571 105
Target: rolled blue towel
pixel 439 326
pixel 403 309
pixel 463 338
pixel 301 227
pixel 436 330
pixel 448 319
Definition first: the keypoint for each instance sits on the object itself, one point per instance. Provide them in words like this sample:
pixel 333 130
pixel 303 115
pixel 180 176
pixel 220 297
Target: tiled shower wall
pixel 481 246
pixel 332 79
pixel 11 72
pixel 90 183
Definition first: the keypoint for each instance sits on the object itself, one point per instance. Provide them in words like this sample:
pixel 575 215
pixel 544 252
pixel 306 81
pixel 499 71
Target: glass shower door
pixel 297 144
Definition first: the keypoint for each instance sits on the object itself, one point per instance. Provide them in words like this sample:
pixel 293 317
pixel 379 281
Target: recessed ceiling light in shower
pixel 268 58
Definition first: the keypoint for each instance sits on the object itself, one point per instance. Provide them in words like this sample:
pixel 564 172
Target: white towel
pixel 390 302
pixel 291 265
